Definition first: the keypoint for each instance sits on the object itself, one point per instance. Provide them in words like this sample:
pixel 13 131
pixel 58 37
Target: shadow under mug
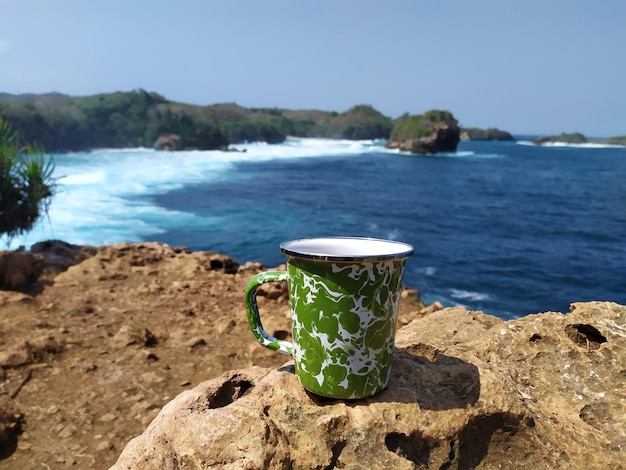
pixel 343 294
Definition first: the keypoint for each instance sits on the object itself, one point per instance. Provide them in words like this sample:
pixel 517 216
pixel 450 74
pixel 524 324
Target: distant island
pixel 491 133
pixel 578 138
pixel 138 118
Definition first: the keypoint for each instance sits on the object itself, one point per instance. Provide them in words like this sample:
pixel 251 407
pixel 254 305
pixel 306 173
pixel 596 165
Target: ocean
pixel 509 228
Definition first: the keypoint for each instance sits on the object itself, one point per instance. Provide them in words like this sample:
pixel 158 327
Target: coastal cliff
pixel 139 118
pixel 99 345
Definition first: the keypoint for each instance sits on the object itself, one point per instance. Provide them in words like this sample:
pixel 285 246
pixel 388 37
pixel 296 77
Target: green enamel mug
pixel 344 294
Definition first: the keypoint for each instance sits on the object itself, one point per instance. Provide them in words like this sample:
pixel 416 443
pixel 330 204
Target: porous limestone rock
pixel 467 390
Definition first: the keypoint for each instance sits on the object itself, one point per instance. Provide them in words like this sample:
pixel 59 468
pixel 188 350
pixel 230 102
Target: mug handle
pixel 252 309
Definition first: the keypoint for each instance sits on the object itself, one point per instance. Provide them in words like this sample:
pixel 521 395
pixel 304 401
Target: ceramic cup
pixel 343 294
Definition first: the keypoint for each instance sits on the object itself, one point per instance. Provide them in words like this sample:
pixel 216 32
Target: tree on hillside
pixel 26 183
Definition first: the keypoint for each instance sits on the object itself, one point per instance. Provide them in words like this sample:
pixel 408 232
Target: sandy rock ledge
pixel 467 391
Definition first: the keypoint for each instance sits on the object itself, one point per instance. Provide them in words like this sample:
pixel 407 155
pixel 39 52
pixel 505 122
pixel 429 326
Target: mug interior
pixel 346 248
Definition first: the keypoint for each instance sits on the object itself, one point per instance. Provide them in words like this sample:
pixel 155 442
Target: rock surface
pixel 467 391
pixel 18 268
pixel 169 142
pixel 105 337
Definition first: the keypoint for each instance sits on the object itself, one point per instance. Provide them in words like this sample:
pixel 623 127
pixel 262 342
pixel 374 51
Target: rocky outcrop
pixel 169 142
pixel 204 138
pixel 58 255
pixel 18 268
pixel 443 139
pixel 467 390
pixel 431 132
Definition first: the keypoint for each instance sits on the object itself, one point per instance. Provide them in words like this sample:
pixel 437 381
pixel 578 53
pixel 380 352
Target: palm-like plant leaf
pixel 26 183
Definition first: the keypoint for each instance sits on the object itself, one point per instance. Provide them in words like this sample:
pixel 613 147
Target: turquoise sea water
pixel 507 228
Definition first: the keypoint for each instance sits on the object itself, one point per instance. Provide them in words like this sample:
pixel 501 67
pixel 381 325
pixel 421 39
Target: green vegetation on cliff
pixel 491 133
pixel 422 125
pixel 563 137
pixel 619 140
pixel 60 122
pixel 359 122
pixel 137 118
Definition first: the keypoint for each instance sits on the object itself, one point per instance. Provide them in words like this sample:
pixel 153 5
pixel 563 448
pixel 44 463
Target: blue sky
pixel 531 67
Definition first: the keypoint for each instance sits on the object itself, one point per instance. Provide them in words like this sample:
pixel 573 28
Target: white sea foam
pixel 393 235
pixel 591 145
pixel 428 270
pixel 307 147
pixel 466 155
pixel 468 295
pixel 101 194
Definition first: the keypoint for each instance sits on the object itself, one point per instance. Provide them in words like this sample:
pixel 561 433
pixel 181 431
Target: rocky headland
pixel 431 132
pixel 139 356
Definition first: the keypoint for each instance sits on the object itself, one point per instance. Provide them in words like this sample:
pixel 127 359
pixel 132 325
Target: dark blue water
pixel 505 228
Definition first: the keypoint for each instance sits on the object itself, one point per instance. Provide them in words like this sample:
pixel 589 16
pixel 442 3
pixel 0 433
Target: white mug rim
pixel 368 249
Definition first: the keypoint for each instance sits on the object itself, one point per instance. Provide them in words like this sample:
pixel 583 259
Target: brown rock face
pixel 58 255
pixel 18 268
pixel 467 391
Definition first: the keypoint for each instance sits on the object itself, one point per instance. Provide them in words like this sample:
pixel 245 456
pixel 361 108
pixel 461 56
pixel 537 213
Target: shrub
pixel 26 183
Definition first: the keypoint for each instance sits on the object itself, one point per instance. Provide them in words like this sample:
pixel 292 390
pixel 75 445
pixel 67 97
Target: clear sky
pixel 528 67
